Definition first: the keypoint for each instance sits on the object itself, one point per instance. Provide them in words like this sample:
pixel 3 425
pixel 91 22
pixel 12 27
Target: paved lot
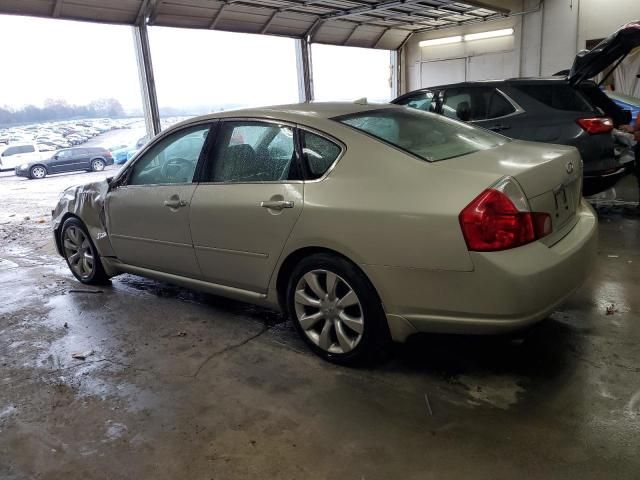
pixel 191 386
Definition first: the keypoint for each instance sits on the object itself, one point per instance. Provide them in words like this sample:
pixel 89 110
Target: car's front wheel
pixel 97 165
pixel 336 310
pixel 37 172
pixel 81 254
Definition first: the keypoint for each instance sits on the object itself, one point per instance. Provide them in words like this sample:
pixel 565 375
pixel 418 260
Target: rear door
pixel 248 201
pixel 63 161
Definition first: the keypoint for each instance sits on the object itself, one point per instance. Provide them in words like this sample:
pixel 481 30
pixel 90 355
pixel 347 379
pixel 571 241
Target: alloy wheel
pixel 97 165
pixel 78 251
pixel 329 311
pixel 38 172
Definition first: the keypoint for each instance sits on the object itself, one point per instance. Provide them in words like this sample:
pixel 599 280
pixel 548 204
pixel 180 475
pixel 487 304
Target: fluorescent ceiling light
pixel 441 41
pixel 492 34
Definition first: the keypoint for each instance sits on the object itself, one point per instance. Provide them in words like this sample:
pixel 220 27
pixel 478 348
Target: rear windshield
pixel 560 97
pixel 425 135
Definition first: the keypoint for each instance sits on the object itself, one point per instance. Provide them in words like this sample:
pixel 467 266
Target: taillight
pixel 107 154
pixel 499 218
pixel 596 125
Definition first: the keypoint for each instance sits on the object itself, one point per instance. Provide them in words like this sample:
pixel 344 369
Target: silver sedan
pixel 365 223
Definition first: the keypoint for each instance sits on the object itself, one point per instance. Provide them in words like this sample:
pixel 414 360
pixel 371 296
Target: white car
pixel 16 154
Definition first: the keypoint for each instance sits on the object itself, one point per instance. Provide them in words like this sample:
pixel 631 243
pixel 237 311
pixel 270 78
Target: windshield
pixel 425 135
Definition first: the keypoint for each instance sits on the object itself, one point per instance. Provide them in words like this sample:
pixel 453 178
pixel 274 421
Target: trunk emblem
pixel 569 167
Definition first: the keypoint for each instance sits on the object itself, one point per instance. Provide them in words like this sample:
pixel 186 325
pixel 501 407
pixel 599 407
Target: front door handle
pixel 175 203
pixel 276 204
pixel 499 128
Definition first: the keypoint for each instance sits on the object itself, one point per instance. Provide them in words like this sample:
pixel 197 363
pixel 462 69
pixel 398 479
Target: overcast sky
pixel 80 62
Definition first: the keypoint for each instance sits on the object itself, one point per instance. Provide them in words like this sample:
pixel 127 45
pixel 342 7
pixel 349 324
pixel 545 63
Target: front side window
pixel 172 160
pixel 253 152
pixel 62 154
pixel 422 101
pixel 319 153
pixel 422 134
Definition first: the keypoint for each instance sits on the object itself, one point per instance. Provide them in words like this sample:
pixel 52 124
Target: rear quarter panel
pixel 380 206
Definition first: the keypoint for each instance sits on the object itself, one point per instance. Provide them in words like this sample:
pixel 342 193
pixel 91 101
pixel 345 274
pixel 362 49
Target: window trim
pixel 340 144
pixel 296 145
pixel 518 109
pixel 122 180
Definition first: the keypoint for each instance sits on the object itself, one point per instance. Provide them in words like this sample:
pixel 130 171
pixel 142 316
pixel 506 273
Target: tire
pixel 37 172
pixel 345 324
pixel 97 165
pixel 81 254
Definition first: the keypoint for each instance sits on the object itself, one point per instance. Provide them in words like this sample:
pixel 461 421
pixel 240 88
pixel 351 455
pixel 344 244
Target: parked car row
pixel 55 135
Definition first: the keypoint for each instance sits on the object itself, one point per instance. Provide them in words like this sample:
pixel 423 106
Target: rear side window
pixel 477 103
pixel 560 97
pixel 10 151
pixel 422 101
pixel 427 136
pixel 319 153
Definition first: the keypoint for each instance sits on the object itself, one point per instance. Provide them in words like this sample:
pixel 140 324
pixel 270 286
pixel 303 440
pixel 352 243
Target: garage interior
pixel 182 384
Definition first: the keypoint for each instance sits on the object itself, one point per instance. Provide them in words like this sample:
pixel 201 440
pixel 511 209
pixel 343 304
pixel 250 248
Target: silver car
pixel 365 223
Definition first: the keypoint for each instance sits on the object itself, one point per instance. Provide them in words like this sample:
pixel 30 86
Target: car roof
pixel 497 83
pixel 305 113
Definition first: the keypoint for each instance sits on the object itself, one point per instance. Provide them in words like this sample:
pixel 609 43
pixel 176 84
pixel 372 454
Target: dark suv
pixel 68 160
pixel 569 110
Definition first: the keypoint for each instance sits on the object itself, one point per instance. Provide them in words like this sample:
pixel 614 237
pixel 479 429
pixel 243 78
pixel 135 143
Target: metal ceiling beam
pixel 57 8
pixel 154 10
pixel 379 39
pixel 346 40
pixel 382 6
pixel 142 12
pixel 371 8
pixel 266 26
pixel 217 16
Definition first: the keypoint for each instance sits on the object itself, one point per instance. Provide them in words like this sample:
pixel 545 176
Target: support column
pixel 147 81
pixel 305 72
pixel 394 78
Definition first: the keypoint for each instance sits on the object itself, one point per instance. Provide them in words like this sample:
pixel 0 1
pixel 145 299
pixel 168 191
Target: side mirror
pixel 109 180
pixel 55 157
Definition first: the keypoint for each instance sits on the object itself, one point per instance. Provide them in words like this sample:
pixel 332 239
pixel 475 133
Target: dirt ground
pixel 182 385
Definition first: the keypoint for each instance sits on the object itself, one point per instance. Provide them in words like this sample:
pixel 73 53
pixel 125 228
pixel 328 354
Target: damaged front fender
pixel 87 202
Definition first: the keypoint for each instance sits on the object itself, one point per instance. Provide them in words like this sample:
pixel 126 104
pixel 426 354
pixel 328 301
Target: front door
pixel 148 215
pixel 244 210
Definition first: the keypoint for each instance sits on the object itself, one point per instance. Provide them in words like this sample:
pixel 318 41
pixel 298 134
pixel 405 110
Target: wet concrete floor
pixel 183 385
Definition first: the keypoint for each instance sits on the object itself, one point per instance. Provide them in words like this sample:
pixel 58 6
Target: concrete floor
pixel 188 386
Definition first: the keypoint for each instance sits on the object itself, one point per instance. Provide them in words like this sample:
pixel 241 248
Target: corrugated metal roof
pixel 362 23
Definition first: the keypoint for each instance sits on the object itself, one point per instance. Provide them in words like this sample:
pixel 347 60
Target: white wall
pixel 598 18
pixel 544 42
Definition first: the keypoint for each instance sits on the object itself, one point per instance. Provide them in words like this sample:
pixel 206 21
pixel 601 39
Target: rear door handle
pixel 276 204
pixel 175 203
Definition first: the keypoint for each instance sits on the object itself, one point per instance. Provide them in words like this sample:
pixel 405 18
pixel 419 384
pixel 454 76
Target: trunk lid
pixel 589 63
pixel 550 176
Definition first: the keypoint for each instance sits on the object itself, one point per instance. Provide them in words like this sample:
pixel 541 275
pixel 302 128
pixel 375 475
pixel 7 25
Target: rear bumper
pixel 505 291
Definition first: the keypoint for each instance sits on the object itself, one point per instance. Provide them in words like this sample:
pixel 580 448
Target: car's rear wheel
pixel 336 310
pixel 38 171
pixel 97 165
pixel 81 254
